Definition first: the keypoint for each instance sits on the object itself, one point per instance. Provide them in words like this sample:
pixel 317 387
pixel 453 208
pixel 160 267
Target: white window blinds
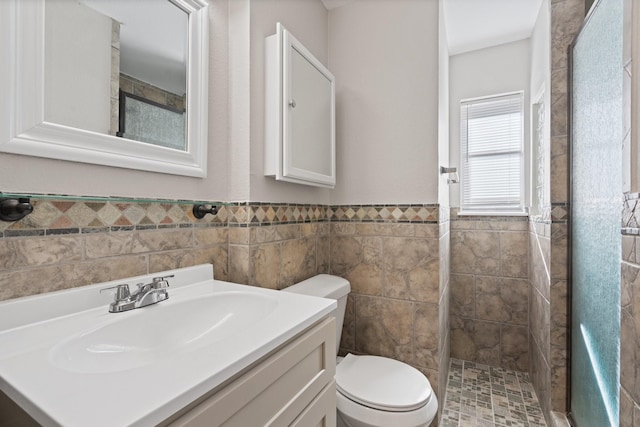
pixel 492 153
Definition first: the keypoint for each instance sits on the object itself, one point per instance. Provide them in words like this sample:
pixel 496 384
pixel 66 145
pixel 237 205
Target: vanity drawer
pixel 276 391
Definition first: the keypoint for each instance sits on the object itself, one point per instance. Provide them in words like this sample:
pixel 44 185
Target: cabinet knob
pixel 292 103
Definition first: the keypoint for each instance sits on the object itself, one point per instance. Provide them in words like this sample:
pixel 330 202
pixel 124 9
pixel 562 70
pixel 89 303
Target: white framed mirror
pixel 47 94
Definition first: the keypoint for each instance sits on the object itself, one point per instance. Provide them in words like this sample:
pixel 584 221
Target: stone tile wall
pixel 277 256
pixel 566 19
pixel 630 332
pixel 490 291
pixel 114 96
pixel 65 243
pixel 630 265
pixel 539 310
pixel 444 304
pixel 152 93
pixel 399 290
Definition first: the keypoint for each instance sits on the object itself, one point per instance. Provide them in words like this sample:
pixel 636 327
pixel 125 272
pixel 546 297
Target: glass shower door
pixel 596 204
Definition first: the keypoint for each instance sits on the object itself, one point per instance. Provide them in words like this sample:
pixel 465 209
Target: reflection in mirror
pixel 148 121
pixel 125 75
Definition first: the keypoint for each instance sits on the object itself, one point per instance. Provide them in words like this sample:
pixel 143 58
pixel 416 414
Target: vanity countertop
pixel 67 361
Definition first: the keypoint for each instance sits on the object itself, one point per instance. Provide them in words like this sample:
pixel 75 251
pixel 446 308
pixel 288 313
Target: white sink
pixel 63 355
pixel 160 331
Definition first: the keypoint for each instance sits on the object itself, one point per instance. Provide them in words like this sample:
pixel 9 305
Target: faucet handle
pixel 161 281
pixel 122 291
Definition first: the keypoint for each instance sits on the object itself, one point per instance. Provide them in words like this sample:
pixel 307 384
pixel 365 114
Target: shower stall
pixel 596 203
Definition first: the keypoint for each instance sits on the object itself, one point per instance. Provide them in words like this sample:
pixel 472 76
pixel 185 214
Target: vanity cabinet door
pixel 278 390
pixel 322 411
pixel 300 114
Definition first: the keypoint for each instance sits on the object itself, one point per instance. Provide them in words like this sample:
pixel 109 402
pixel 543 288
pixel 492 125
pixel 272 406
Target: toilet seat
pixel 382 383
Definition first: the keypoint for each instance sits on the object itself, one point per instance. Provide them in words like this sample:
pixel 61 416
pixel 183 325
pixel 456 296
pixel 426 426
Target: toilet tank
pixel 326 286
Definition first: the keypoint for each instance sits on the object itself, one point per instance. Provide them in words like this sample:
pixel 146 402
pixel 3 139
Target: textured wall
pixel 489 291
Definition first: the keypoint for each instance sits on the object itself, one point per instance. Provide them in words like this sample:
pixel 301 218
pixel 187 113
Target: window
pixel 492 154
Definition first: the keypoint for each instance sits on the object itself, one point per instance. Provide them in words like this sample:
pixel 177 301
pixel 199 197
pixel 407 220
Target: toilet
pixel 372 391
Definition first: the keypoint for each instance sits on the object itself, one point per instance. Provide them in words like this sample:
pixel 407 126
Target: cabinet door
pixel 321 412
pixel 277 390
pixel 300 143
pixel 309 116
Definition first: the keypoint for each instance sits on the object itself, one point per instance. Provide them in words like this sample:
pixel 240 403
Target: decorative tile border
pixel 560 212
pixel 386 213
pixel 251 214
pixel 64 216
pixel 631 214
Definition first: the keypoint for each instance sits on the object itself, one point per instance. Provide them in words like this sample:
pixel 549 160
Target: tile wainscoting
pixel 396 257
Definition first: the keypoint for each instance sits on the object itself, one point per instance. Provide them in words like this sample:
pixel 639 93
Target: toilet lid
pixel 382 383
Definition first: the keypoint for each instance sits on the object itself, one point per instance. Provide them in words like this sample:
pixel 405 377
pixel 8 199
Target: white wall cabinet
pixel 299 114
pixel 294 386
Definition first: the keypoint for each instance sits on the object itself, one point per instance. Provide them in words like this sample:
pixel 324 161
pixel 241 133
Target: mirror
pixel 119 82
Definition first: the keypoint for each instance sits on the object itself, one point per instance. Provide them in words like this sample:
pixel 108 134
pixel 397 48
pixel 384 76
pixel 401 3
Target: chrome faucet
pixel 146 294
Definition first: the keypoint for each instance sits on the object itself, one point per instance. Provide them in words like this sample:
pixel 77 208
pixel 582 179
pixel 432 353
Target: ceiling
pixel 477 24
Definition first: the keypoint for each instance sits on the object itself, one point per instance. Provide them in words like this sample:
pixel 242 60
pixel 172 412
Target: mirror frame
pixel 24 130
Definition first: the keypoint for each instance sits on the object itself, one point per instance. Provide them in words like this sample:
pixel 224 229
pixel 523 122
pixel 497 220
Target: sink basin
pixel 62 354
pixel 142 336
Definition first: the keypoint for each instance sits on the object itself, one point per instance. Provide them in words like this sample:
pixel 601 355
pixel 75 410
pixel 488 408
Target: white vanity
pixel 214 353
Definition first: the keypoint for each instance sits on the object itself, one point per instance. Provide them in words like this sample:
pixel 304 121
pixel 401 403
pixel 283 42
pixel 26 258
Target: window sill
pixel 492 213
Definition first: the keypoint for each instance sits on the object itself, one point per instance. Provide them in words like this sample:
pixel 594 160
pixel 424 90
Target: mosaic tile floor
pixel 484 396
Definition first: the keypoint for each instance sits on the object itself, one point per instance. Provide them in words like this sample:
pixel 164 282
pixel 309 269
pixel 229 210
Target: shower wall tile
pixel 540 373
pixel 463 295
pixel 502 300
pixel 475 340
pixel 444 306
pixel 539 258
pixel 566 19
pixel 630 336
pixel 548 240
pixel 560 173
pixel 559 250
pixel 490 290
pixel 514 347
pixel 540 312
pixel 626 409
pixel 475 251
